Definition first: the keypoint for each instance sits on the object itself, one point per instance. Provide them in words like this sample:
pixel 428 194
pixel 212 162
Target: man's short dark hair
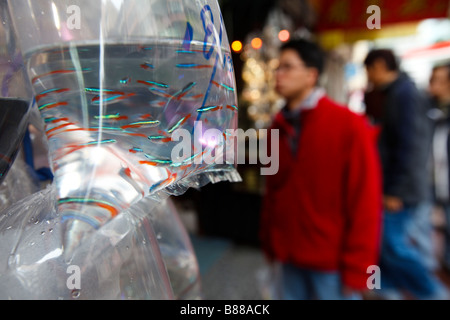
pixel 311 54
pixel 382 54
pixel 446 66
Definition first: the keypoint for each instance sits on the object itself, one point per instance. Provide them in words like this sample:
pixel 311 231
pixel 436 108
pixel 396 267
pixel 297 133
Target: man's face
pixel 375 72
pixel 293 77
pixel 440 83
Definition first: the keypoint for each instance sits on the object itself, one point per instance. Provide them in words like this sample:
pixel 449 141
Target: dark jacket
pixel 405 139
pixel 440 115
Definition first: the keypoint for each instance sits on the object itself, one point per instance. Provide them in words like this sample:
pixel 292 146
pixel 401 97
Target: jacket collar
pixel 310 104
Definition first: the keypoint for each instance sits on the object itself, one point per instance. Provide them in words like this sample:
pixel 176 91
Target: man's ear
pixel 313 75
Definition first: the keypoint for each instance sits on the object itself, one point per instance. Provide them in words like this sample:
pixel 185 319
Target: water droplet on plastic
pixel 50 230
pixel 76 294
pixel 12 259
pixel 159 236
pixel 42 233
pixel 9 228
pixel 127 247
pixel 32 243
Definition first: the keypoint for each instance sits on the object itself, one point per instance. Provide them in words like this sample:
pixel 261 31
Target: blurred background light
pixel 284 35
pixel 257 43
pixel 236 46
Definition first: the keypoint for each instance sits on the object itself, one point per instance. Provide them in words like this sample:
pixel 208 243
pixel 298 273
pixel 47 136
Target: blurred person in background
pixel 439 90
pixel 321 215
pixel 399 109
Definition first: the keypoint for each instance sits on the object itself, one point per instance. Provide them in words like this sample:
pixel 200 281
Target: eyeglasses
pixel 288 67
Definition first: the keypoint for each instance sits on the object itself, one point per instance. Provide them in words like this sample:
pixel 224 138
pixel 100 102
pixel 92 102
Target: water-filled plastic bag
pixel 114 81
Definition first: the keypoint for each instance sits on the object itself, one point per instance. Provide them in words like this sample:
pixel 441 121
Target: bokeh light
pixel 284 35
pixel 257 43
pixel 236 46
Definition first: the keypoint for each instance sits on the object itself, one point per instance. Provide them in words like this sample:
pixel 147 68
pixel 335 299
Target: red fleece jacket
pixel 322 210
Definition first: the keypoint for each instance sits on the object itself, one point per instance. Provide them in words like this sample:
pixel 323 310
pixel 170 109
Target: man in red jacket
pixel 321 215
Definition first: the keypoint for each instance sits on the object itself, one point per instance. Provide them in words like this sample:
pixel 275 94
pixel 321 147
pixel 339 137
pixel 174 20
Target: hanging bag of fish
pixel 137 97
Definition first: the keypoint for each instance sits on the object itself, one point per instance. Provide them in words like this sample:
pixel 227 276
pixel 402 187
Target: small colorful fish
pixel 192 158
pixel 51 91
pixel 221 85
pixel 135 134
pixel 52 105
pixel 209 109
pixel 147 66
pixel 179 123
pixel 153 83
pixel 155 162
pixel 103 91
pixel 116 117
pixel 162 184
pixel 136 150
pixel 112 99
pixel 160 138
pixel 125 80
pixel 158 104
pixel 65 71
pixel 126 174
pixel 193 66
pixel 144 48
pixel 55 120
pixel 232 107
pixel 145 116
pixel 161 93
pixel 180 94
pixel 59 127
pixel 99 142
pixel 195 97
pixel 71 130
pixel 142 123
pixel 103 204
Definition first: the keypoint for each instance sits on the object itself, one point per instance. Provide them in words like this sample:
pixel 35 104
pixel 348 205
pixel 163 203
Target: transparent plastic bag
pixel 121 260
pixel 114 80
pixel 18 184
pixel 126 259
pixel 176 250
